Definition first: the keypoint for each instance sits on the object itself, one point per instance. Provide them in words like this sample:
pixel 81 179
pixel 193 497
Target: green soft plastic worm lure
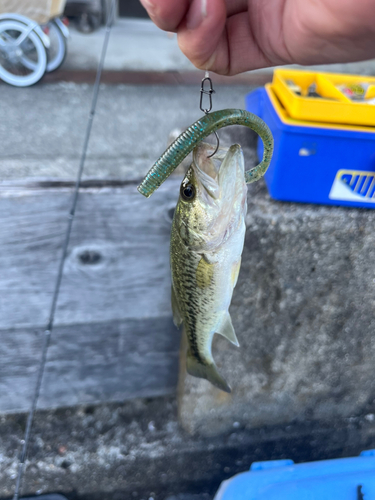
pixel 194 134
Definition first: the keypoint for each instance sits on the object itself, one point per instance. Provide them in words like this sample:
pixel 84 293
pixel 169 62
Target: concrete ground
pixel 137 450
pixel 135 45
pixel 44 130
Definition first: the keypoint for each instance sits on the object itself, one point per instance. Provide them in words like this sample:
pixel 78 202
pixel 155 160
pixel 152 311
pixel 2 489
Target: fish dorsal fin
pixel 204 273
pixel 226 330
pixel 177 319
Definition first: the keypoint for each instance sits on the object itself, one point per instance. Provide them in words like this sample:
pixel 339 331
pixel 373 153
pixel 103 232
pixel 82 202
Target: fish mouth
pixel 207 168
pixel 217 175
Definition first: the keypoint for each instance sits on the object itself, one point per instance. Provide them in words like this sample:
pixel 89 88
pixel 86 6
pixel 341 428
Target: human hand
pixel 233 36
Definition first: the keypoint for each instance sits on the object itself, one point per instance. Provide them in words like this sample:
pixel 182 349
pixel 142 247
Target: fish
pixel 207 239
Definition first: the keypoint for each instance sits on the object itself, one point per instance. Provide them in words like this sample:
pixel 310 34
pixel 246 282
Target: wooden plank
pixel 90 363
pixel 118 260
pixel 113 336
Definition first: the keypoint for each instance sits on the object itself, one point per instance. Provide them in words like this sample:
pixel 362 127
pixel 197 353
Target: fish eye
pixel 188 192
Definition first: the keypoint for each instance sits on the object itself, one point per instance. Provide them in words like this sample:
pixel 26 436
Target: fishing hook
pixel 208 92
pixel 186 142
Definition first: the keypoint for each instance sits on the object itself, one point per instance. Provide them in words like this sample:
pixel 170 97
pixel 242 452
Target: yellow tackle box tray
pixel 326 97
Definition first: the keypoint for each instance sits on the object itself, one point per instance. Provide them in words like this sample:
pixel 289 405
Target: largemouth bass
pixel 208 232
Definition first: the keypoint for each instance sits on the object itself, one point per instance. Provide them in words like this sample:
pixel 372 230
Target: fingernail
pixel 196 14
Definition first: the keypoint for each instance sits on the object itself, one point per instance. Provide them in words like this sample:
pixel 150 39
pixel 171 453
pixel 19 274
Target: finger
pixel 235 7
pixel 244 51
pixel 166 14
pixel 201 30
pixel 225 46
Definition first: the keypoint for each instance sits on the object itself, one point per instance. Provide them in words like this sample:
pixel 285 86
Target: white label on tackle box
pixel 353 185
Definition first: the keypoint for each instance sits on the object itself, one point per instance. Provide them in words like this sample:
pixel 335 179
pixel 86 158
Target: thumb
pixel 200 35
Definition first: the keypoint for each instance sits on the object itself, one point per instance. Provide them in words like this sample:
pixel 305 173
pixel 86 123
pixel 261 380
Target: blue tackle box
pixel 316 162
pixel 339 479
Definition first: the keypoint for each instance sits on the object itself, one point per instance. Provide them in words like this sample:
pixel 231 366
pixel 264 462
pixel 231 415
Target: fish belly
pixel 204 297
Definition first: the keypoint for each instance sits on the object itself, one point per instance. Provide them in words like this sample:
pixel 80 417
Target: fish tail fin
pixel 207 371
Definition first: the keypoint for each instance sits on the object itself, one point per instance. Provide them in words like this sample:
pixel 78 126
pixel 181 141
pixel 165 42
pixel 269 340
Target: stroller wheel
pixel 58 48
pixel 23 57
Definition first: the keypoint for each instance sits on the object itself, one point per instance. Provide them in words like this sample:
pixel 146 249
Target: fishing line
pixel 49 328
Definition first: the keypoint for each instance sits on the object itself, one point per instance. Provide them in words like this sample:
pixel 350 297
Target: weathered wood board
pixel 90 363
pixel 113 337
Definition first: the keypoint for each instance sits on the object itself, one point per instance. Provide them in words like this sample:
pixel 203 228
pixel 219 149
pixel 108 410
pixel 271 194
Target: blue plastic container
pixel 340 479
pixel 313 162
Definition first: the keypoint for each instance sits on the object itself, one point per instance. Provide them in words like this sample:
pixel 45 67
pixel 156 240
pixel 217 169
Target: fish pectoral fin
pixel 177 319
pixel 204 273
pixel 207 371
pixel 235 272
pixel 226 330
